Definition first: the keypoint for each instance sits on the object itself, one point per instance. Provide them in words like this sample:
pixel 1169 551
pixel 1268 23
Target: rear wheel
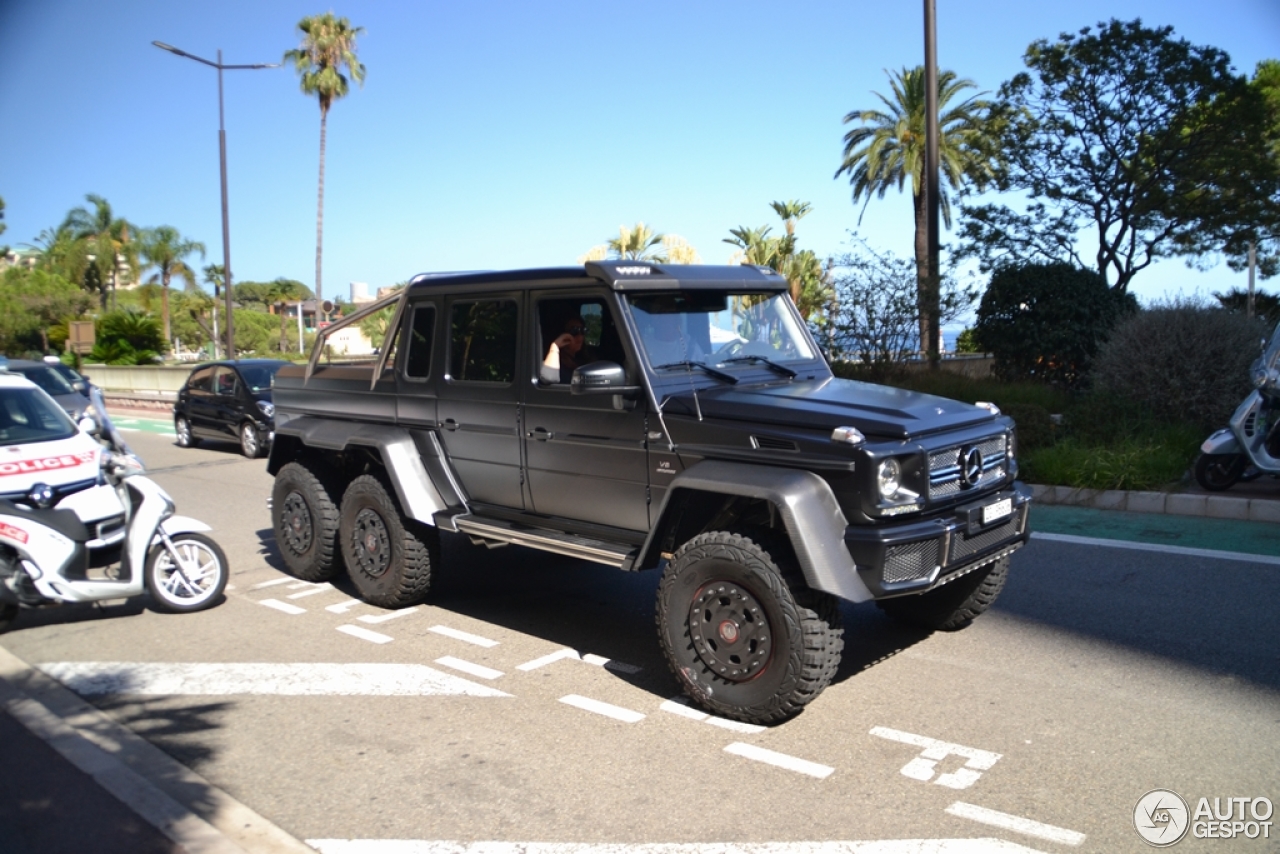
pixel 191 577
pixel 953 605
pixel 744 635
pixel 1216 472
pixel 389 558
pixel 182 429
pixel 304 518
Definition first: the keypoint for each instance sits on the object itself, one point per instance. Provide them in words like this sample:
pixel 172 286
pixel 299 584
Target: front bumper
pixel 911 558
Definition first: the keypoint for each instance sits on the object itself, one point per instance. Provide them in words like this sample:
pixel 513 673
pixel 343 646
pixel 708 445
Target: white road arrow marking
pixel 923 766
pixel 89 678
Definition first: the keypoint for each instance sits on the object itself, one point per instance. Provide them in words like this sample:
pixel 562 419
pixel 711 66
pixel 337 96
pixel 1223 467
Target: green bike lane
pixel 1155 529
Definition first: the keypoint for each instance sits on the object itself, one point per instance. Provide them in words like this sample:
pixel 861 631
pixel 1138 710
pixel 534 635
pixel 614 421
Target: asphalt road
pixel 527 702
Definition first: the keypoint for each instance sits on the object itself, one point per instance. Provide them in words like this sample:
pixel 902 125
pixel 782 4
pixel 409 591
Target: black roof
pixel 620 276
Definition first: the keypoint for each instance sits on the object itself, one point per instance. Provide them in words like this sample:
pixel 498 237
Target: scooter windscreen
pixel 104 420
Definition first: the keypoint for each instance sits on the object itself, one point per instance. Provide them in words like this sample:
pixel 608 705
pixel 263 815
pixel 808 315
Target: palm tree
pixel 640 243
pixel 328 44
pixel 810 290
pixel 889 147
pixel 164 248
pixel 105 237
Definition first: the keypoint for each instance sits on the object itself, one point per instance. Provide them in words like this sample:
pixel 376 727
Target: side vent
pixel 771 443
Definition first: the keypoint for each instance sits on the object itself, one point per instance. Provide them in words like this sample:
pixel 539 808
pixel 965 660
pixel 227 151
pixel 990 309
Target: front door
pixel 586 460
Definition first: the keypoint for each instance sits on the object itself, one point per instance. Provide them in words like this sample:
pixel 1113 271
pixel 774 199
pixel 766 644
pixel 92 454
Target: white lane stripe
pixel 282 606
pixel 382 618
pixel 124 677
pixel 550 658
pixel 735 726
pixel 272 583
pixel 319 588
pixel 365 634
pixel 610 664
pixel 781 760
pixel 465 637
pixel 680 706
pixel 888 846
pixel 469 667
pixel 606 709
pixel 1015 823
pixel 298 585
pixel 342 607
pixel 1154 547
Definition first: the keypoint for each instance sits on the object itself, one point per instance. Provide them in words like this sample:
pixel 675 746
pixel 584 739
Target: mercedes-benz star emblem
pixel 970 466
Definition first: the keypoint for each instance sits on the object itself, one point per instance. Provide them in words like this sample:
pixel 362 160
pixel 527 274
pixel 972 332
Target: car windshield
pixel 258 377
pixel 46 378
pixel 718 329
pixel 29 415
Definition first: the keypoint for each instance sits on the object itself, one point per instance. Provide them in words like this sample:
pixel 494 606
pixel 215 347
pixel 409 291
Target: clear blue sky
pixel 491 135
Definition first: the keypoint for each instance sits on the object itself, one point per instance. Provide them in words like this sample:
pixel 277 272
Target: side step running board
pixel 498 532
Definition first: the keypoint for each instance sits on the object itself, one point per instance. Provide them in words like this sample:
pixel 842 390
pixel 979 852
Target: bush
pixel 127 337
pixel 1180 362
pixel 1035 427
pixel 1046 321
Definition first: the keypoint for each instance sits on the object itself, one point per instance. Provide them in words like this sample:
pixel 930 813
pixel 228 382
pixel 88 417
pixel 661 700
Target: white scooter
pixel 48 555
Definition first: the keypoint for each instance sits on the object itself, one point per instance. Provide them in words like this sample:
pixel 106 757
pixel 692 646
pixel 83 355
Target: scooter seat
pixel 65 522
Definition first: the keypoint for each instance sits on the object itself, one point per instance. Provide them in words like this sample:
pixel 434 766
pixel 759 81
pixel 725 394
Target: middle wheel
pixel 389 559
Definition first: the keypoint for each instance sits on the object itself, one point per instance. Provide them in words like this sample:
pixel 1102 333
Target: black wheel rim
pixel 730 631
pixel 296 518
pixel 371 543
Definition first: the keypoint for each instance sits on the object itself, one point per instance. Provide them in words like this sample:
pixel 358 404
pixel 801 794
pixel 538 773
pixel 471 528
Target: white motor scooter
pixel 49 555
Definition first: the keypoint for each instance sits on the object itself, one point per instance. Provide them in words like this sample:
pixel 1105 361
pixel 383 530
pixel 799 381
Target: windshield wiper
pixel 782 369
pixel 720 375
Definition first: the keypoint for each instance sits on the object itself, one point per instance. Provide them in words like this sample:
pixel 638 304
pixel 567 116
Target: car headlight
pixel 889 478
pixel 268 409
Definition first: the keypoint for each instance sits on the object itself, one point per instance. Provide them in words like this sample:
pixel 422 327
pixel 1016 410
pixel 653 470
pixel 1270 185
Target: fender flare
pixel 419 496
pixel 808 508
pixel 183 525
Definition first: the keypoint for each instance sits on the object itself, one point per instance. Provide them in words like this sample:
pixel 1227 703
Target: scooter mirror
pixel 88 425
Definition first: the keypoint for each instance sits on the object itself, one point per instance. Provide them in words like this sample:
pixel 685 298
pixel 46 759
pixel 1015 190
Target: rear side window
pixel 201 380
pixel 421 336
pixel 482 341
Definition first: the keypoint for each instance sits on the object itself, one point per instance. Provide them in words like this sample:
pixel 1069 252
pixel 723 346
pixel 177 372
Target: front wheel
pixel 955 604
pixel 182 429
pixel 190 577
pixel 744 635
pixel 389 559
pixel 1216 472
pixel 250 441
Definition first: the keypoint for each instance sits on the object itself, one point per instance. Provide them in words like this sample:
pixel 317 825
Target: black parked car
pixel 228 400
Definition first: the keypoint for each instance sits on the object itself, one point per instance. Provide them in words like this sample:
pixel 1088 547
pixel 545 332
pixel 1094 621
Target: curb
pixel 1170 503
pixel 189 810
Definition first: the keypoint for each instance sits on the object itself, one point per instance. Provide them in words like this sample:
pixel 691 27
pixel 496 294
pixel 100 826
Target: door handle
pixel 450 424
pixel 541 434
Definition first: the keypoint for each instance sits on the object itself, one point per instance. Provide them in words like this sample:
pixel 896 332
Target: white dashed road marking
pixel 272 583
pixel 342 607
pixel 465 637
pixel 319 588
pixel 365 634
pixel 610 664
pixel 124 677
pixel 469 667
pixel 781 760
pixel 923 766
pixel 552 658
pixel 374 619
pixel 679 706
pixel 888 846
pixel 1015 823
pixel 282 606
pixel 606 709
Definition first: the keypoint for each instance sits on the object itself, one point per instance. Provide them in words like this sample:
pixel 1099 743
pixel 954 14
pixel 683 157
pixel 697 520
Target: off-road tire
pixel 1216 472
pixel 251 444
pixel 775 644
pixel 953 605
pixel 8 612
pixel 175 592
pixel 304 519
pixel 389 558
pixel 182 430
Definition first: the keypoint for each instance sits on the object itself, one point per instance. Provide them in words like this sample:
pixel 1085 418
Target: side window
pixel 575 331
pixel 421 336
pixel 201 380
pixel 482 341
pixel 225 381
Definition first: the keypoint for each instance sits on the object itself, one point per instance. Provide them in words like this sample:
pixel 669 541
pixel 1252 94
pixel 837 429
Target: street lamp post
pixel 222 163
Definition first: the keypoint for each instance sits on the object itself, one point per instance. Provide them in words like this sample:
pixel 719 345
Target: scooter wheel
pixel 191 577
pixel 1216 472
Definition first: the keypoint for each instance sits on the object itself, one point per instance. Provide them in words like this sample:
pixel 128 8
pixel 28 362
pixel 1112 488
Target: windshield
pixel 258 377
pixel 718 329
pixel 29 415
pixel 47 378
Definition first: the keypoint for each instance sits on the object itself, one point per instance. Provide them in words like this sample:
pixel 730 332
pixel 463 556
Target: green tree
pixel 31 303
pixel 106 240
pixel 888 149
pixel 638 243
pixel 127 337
pixel 1147 143
pixel 328 46
pixel 808 282
pixel 1046 321
pixel 166 250
pixel 284 291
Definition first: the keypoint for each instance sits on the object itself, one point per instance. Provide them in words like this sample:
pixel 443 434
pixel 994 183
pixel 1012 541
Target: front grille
pixel 962 547
pixel 945 467
pixel 910 562
pixel 59 492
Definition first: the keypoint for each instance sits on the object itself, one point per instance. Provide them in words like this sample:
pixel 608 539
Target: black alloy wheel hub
pixel 298 531
pixel 730 631
pixel 372 543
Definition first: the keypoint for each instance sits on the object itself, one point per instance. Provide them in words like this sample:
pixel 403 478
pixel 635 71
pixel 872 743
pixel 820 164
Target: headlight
pixel 889 478
pixel 268 409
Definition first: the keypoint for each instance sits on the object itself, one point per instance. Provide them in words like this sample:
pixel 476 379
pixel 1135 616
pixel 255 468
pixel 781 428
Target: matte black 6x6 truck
pixel 701 434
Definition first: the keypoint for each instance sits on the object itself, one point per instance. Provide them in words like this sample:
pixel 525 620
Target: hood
pixel 878 411
pixel 57 463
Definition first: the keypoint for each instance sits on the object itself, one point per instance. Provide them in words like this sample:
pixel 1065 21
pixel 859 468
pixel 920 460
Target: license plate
pixel 999 510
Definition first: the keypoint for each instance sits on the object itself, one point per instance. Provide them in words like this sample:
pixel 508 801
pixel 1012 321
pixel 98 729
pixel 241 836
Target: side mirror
pixel 88 424
pixel 601 378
